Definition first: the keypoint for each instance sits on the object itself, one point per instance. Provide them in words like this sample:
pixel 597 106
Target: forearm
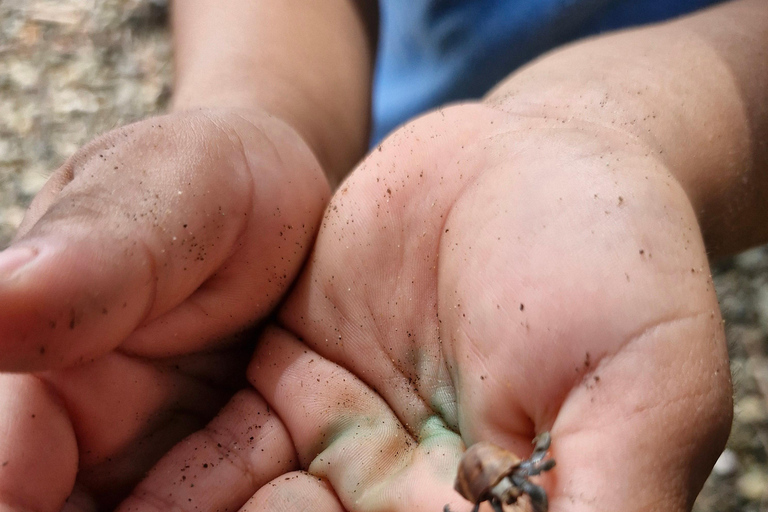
pixel 308 63
pixel 694 91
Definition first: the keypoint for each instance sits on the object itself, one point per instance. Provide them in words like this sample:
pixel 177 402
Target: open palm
pixel 482 277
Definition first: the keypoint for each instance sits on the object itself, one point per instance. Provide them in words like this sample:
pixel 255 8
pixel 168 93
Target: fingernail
pixel 13 259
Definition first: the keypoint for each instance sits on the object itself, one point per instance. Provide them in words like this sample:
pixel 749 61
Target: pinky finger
pixel 221 466
pixel 295 492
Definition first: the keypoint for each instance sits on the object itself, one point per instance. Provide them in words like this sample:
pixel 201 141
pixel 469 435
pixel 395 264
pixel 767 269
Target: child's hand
pixel 481 277
pixel 156 241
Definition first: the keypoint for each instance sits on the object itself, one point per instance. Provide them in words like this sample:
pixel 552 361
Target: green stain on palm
pixel 434 427
pixel 442 447
pixel 443 402
pixel 433 381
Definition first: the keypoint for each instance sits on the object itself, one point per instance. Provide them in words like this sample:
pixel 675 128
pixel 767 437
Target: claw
pixel 546 465
pixel 532 465
pixel 446 508
pixel 496 504
pixel 537 495
pixel 542 442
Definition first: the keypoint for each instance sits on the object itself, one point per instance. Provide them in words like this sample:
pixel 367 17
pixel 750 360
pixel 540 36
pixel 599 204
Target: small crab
pixel 490 473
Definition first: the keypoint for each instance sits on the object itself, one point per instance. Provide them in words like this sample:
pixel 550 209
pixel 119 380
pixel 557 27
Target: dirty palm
pixel 451 298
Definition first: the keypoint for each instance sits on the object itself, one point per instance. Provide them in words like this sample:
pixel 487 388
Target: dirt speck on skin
pixel 71 70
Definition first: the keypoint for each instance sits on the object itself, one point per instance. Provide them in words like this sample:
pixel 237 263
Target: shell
pixel 483 466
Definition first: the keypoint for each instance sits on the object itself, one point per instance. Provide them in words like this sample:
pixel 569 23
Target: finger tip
pixel 38 451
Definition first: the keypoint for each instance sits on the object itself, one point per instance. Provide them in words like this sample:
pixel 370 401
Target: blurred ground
pixel 71 69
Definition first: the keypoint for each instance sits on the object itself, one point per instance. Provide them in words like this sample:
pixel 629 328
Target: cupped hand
pixel 481 276
pixel 133 268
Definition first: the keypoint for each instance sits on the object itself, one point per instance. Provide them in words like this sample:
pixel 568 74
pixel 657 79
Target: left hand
pixel 149 250
pixel 482 276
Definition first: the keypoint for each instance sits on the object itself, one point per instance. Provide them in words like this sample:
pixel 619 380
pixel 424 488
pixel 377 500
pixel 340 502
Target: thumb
pixel 145 217
pixel 644 429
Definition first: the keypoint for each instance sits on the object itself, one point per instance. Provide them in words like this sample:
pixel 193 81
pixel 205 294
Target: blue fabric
pixel 435 51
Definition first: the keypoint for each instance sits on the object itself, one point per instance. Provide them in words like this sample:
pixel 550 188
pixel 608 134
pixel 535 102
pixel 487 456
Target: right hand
pixel 484 276
pixel 136 262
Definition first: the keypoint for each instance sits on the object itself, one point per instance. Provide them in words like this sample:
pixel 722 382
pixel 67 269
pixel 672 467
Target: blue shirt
pixel 435 51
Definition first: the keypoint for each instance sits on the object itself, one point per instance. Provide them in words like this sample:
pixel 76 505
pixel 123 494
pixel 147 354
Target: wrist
pixel 684 92
pixel 309 65
pixel 336 143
